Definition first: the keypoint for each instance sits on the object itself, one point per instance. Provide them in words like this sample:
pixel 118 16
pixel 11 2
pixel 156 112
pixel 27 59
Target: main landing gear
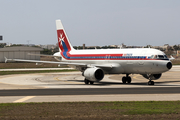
pixel 126 79
pixel 86 81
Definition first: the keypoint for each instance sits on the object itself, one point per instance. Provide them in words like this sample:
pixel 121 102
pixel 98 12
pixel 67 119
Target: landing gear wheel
pixel 128 79
pixel 86 81
pixel 91 82
pixel 124 80
pixel 151 82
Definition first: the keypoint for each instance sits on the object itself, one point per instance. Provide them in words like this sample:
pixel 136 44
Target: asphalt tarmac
pixel 90 91
pixel 69 86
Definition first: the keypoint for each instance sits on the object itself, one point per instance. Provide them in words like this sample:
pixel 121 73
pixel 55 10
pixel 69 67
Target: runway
pixel 69 86
pixel 90 91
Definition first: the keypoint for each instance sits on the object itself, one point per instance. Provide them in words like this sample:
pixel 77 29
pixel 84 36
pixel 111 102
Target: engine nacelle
pixel 94 74
pixel 152 76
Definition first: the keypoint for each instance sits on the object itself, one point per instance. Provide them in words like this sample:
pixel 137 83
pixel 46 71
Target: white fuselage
pixel 124 61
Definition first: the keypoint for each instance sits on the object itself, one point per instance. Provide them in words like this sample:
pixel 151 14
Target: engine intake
pixel 152 76
pixel 94 74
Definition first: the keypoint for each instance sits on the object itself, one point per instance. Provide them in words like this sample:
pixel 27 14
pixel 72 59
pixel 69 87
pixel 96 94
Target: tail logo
pixel 63 42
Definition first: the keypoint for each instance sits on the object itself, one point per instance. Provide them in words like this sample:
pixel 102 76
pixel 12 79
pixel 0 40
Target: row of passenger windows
pixel 122 57
pixel 111 57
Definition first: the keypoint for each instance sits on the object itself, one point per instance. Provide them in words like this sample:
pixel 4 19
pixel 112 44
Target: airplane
pixel 95 63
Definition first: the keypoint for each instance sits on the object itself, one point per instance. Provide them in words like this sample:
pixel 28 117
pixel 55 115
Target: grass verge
pixel 92 110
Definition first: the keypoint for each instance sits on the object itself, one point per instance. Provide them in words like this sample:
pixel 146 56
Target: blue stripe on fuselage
pixel 100 57
pixel 65 50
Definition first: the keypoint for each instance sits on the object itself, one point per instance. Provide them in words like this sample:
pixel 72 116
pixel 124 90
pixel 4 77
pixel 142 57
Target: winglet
pixel 5 59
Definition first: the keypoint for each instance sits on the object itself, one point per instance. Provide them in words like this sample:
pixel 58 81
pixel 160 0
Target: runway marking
pixel 24 99
pixel 57 78
pixel 135 77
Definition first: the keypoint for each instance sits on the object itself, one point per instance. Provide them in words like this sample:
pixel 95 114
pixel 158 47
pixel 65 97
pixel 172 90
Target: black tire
pixel 91 82
pixel 124 80
pixel 128 79
pixel 151 83
pixel 86 81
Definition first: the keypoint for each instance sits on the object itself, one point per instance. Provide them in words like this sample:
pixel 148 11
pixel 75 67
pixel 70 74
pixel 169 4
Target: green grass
pixel 163 110
pixel 122 108
pixel 148 107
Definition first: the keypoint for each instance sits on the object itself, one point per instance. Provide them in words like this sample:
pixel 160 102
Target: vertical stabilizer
pixel 63 41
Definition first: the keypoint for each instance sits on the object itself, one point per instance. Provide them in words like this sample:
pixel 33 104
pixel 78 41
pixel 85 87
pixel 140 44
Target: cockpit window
pixel 159 57
pixel 165 57
pixel 152 56
pixel 155 57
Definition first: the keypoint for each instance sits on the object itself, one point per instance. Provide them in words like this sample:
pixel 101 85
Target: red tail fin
pixel 63 41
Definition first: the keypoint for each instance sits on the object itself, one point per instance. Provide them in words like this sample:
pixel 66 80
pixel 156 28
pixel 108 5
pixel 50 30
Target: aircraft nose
pixel 169 65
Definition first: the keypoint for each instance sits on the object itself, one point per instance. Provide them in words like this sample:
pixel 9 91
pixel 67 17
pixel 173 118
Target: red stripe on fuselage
pixel 93 55
pixel 106 57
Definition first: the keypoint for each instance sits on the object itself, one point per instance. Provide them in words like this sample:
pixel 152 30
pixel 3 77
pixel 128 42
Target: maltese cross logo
pixel 61 39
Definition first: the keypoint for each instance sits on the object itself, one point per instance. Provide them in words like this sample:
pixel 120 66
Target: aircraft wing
pixel 43 55
pixel 74 65
pixel 52 62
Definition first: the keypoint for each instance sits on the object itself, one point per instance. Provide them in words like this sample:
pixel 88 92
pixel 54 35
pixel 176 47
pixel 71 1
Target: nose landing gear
pixel 151 82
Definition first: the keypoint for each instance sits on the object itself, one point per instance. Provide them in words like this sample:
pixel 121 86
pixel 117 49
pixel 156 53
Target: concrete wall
pixel 19 53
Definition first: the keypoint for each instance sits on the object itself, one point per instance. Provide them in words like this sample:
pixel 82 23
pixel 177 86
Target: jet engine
pixel 152 76
pixel 94 74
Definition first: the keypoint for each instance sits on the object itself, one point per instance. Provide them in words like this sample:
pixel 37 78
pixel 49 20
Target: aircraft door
pixel 108 57
pixel 141 61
